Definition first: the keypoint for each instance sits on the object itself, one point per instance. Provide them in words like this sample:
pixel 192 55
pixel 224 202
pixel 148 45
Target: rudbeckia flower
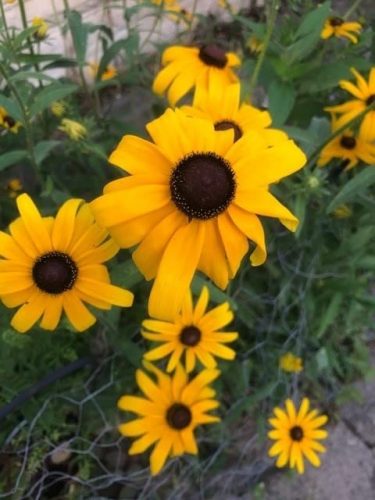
pixel 336 26
pixel 291 363
pixel 223 107
pixel 297 435
pixel 255 45
pixel 169 413
pixel 7 122
pixel 109 73
pixel 74 130
pixel 350 148
pixel 48 265
pixel 58 108
pixel 40 23
pixel 192 202
pixel 194 332
pixel 189 67
pixel 364 93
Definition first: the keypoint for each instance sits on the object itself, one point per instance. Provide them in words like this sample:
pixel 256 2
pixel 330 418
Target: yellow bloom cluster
pixel 291 363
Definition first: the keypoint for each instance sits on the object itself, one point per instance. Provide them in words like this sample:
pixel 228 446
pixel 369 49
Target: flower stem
pixel 4 19
pixel 352 9
pixel 274 7
pixel 25 26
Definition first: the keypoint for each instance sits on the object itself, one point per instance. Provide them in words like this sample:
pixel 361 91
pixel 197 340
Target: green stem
pixel 25 26
pixel 337 132
pixel 4 19
pixel 153 27
pixel 26 120
pixel 193 12
pixel 352 9
pixel 270 27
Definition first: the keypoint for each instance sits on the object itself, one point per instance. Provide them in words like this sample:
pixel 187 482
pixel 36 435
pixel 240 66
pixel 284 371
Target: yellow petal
pixel 52 313
pixel 213 261
pixel 110 293
pixel 34 223
pixel 78 314
pixel 234 241
pixel 27 315
pixel 63 227
pixel 160 453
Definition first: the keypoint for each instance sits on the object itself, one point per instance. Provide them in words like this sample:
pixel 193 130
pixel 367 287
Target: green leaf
pixel 45 97
pixel 62 62
pixel 26 75
pixel 126 275
pixel 79 31
pixel 356 185
pixel 8 159
pixel 12 108
pixel 43 149
pixel 330 314
pixel 281 97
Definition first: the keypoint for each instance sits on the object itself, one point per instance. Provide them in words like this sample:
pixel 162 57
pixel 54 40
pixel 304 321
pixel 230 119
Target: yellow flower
pixel 364 92
pixel 189 67
pixel 10 1
pixel 170 412
pixel 297 435
pixel 48 265
pixel 109 73
pixel 40 23
pixel 75 130
pixel 58 108
pixel 192 202
pixel 193 332
pixel 222 106
pixel 291 363
pixel 351 149
pixel 7 122
pixel 176 13
pixel 343 212
pixel 14 186
pixel 335 26
pixel 255 45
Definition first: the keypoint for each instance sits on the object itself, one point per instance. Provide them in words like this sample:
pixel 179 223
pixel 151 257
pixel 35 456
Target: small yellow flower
pixel 109 73
pixel 14 186
pixel 291 363
pixel 195 333
pixel 169 413
pixel 10 1
pixel 58 108
pixel 255 45
pixel 40 23
pixel 336 26
pixel 313 182
pixel 75 130
pixel 297 435
pixel 7 122
pixel 343 212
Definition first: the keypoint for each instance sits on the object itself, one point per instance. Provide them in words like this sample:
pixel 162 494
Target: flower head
pixel 223 107
pixel 7 122
pixel 192 201
pixel 75 130
pixel 291 363
pixel 42 27
pixel 297 435
pixel 364 93
pixel 343 212
pixel 14 187
pixel 170 412
pixel 193 333
pixel 48 265
pixel 189 67
pixel 336 26
pixel 58 108
pixel 109 72
pixel 255 45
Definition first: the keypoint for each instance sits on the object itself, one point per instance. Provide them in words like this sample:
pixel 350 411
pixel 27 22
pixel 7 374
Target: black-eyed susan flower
pixel 336 26
pixel 50 265
pixel 223 107
pixel 7 122
pixel 194 333
pixel 74 130
pixel 168 415
pixel 192 202
pixel 58 108
pixel 297 435
pixel 364 93
pixel 288 362
pixel 109 72
pixel 189 67
pixel 349 148
pixel 42 28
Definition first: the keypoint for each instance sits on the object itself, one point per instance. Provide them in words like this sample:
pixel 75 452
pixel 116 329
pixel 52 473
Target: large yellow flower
pixel 194 332
pixel 222 105
pixel 297 435
pixel 192 202
pixel 169 414
pixel 364 92
pixel 48 265
pixel 336 26
pixel 188 67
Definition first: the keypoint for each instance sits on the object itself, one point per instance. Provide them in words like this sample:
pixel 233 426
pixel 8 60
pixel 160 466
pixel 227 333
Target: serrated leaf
pixel 45 97
pixel 358 184
pixel 8 159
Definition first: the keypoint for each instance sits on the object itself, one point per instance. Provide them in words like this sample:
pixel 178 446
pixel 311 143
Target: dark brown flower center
pixel 348 142
pixel 227 125
pixel 190 335
pixel 9 121
pixel 54 272
pixel 202 185
pixel 178 416
pixel 370 99
pixel 213 55
pixel 296 433
pixel 336 21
